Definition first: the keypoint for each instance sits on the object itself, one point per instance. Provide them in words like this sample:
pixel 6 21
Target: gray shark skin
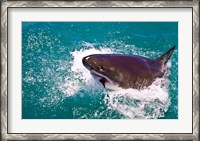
pixel 126 71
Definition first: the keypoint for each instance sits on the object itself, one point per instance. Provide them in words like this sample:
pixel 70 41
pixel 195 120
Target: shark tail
pixel 166 56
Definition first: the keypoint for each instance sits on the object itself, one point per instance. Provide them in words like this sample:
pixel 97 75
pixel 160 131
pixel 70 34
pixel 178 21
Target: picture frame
pixel 6 5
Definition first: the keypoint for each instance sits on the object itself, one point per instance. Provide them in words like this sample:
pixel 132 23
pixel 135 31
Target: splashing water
pixel 78 73
pixel 55 84
pixel 151 102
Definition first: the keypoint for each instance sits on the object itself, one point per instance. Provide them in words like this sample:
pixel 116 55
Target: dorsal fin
pixel 166 56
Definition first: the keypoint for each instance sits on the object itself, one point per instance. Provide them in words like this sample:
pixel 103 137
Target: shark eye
pixel 100 68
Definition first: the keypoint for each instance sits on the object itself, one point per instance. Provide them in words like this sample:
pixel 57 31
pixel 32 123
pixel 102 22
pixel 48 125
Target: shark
pixel 126 71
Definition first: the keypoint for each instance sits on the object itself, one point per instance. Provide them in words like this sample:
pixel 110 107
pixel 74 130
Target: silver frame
pixel 4 22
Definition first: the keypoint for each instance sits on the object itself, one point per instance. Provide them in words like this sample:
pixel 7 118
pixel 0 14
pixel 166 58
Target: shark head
pixel 101 69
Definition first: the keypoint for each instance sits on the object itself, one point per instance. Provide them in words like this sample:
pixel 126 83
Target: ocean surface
pixel 55 84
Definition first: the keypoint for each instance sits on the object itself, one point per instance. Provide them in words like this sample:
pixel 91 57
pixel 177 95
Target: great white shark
pixel 126 71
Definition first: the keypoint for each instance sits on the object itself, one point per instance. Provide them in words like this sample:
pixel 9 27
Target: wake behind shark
pixel 126 71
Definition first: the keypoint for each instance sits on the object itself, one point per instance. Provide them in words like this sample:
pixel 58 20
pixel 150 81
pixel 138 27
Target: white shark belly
pixel 109 84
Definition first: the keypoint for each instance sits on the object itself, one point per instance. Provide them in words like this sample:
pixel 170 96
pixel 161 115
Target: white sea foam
pixel 151 102
pixel 79 75
pixel 77 65
pixel 133 103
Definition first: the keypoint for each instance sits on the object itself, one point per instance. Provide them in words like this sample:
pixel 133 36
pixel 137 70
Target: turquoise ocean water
pixel 55 85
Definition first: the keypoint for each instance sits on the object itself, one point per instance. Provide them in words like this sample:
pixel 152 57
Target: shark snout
pixel 86 62
pixel 92 62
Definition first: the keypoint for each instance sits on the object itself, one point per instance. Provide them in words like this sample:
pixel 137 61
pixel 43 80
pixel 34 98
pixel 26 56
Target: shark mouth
pixel 101 78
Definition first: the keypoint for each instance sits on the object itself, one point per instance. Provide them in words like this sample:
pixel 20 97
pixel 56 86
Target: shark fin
pixel 166 56
pixel 103 81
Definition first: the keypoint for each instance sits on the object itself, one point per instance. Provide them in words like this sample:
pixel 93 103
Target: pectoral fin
pixel 103 81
